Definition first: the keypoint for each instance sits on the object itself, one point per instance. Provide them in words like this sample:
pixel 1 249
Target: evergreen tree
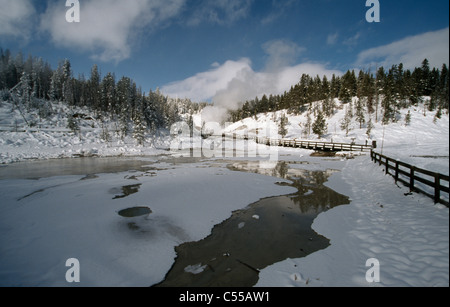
pixel 123 103
pixel 66 81
pixel 360 116
pixel 94 91
pixel 282 129
pixel 348 87
pixel 369 92
pixel 108 94
pixel 263 105
pixel 346 121
pixel 55 87
pixel 408 118
pixel 139 129
pixel 425 77
pixel 444 92
pixel 379 86
pixel 389 102
pixel 72 124
pixel 335 86
pixel 25 89
pixel 319 126
pixel 307 130
pixel 105 136
pixel 370 126
pixel 329 106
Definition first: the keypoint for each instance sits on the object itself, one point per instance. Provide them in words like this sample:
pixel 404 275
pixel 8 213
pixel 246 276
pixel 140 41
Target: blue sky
pixel 209 49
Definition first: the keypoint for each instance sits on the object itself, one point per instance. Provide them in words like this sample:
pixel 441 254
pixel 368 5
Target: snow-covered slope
pixel 424 142
pixel 51 138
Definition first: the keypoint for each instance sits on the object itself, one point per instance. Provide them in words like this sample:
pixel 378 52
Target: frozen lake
pixel 127 219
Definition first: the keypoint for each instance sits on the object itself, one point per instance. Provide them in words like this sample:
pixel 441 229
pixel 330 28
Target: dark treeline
pixel 382 93
pixel 34 82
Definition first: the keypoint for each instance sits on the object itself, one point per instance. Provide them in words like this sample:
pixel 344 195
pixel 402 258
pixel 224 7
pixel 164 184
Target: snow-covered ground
pixel 47 221
pixel 407 235
pixel 423 143
pixel 50 138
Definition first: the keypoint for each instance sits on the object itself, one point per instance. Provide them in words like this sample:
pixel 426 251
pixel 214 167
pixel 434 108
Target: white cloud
pixel 233 82
pixel 410 51
pixel 281 53
pixel 248 84
pixel 108 28
pixel 16 18
pixel 204 85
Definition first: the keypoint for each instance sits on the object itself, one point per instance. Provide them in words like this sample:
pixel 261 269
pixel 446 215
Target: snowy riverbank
pixel 47 221
pixel 408 235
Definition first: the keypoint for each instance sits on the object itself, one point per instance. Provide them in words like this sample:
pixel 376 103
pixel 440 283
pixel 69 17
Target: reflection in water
pixel 266 232
pixel 311 194
pixel 127 190
pixel 79 166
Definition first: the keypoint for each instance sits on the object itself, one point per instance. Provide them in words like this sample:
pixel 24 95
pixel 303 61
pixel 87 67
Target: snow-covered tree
pixel 370 126
pixel 319 126
pixel 360 114
pixel 139 129
pixel 108 94
pixel 348 87
pixel 282 129
pixel 66 81
pixel 94 90
pixel 72 124
pixel 346 121
pixel 123 90
pixel 25 88
pixel 307 130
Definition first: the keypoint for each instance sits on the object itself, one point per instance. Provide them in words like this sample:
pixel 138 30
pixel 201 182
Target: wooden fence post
pixel 437 188
pixel 411 179
pixel 223 145
pixel 396 171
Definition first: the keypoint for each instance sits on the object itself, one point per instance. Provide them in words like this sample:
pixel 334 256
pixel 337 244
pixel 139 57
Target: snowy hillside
pixel 423 142
pixel 50 136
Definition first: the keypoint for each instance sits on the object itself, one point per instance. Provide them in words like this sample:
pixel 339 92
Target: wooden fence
pixel 295 143
pixel 417 179
pixel 314 145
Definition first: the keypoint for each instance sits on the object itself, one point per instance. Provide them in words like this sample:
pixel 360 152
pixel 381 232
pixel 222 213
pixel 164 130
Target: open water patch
pixel 135 212
pixel 268 231
pixel 126 190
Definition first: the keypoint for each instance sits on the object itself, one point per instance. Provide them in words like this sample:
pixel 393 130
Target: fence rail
pixel 410 175
pixel 315 145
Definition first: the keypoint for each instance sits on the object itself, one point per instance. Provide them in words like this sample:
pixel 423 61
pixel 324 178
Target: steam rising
pixel 232 83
